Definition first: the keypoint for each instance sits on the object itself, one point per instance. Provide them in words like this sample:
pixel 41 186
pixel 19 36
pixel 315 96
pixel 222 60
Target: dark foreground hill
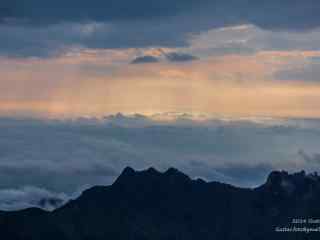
pixel 149 205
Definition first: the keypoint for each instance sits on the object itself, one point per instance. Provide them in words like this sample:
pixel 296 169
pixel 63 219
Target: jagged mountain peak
pixel 275 177
pixel 172 171
pixel 289 183
pixel 129 175
pixel 151 171
pixel 175 173
pixel 128 171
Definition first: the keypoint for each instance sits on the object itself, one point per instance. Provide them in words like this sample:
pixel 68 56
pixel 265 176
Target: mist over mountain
pixel 58 159
pixel 155 205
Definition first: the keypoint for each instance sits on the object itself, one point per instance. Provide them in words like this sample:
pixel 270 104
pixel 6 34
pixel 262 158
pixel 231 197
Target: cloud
pixel 88 83
pixel 26 197
pixel 48 41
pixel 46 28
pixel 308 71
pixel 271 14
pixel 145 59
pixel 180 57
pixel 163 55
pixel 47 12
pixel 67 156
pixel 237 173
pixel 310 158
pixel 248 39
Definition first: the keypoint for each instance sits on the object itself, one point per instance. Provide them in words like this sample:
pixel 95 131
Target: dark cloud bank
pixel 44 28
pixel 57 159
pixel 295 14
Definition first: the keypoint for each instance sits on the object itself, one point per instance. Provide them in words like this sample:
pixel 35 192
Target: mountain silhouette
pixel 151 205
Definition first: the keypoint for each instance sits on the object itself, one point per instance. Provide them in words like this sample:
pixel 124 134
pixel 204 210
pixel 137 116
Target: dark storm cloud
pixel 44 28
pixel 31 41
pixel 145 59
pixel 294 14
pixel 49 12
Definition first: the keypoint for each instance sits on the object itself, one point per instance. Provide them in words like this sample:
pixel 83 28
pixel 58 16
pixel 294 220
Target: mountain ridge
pixel 149 204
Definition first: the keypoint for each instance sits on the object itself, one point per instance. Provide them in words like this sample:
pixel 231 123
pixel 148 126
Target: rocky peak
pixel 129 176
pixel 125 175
pixel 176 174
pixel 299 182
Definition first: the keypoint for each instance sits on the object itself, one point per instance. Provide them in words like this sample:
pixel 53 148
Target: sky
pixel 231 58
pixel 225 90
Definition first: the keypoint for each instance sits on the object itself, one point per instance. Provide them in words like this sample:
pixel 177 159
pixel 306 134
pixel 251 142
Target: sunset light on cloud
pixel 101 82
pixel 96 68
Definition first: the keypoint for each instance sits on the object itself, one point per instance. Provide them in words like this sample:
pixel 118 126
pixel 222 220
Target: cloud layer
pixel 27 197
pixel 41 159
pixel 45 28
pixel 271 14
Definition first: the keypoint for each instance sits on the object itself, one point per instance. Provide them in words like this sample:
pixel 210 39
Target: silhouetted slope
pixel 165 206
